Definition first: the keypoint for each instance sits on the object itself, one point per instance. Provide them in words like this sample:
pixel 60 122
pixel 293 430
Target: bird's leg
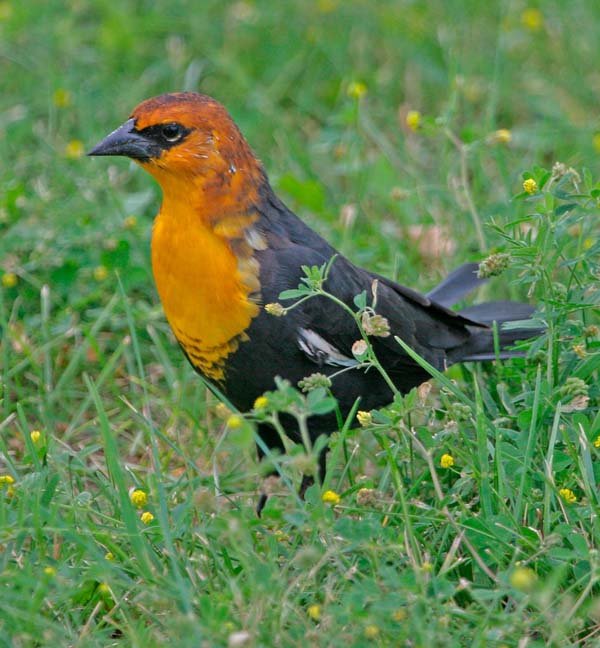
pixel 270 483
pixel 309 480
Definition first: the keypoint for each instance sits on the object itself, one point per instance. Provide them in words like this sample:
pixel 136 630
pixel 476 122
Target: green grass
pixel 483 553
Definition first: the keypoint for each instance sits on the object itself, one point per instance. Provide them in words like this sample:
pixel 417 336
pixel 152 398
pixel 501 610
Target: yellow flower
pixel 74 149
pixel 597 442
pixel 330 497
pixel 61 98
pixel 579 350
pixel 530 186
pixel 104 588
pixel 146 517
pixel 501 136
pixel 532 19
pixel 426 566
pixel 364 418
pixel 568 495
pixel 314 612
pixel 35 436
pixel 5 10
pixel 400 614
pixel 100 273
pixel 6 480
pixel 261 402
pixel 138 498
pixel 356 89
pixel 447 461
pixel 327 6
pixel 130 222
pixel 522 578
pixel 9 279
pixel 109 556
pixel 275 308
pixel 413 119
pixel 371 632
pixel 234 422
pixel 49 571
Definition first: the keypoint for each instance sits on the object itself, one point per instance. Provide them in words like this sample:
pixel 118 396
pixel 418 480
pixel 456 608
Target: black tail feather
pixel 481 344
pixel 456 285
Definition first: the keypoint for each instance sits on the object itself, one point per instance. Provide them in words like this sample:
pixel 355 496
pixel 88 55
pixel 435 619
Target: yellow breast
pixel 204 290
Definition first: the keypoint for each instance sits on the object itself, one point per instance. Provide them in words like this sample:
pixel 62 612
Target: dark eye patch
pixel 166 135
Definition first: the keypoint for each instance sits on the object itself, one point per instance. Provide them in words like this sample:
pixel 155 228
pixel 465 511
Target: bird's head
pixel 183 136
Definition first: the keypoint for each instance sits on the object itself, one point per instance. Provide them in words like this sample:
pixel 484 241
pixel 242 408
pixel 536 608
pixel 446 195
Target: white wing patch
pixel 320 351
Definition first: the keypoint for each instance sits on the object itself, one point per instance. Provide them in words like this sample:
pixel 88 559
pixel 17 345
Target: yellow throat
pixel 206 275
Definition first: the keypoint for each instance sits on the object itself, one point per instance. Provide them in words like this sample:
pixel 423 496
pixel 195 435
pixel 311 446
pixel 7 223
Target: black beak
pixel 128 142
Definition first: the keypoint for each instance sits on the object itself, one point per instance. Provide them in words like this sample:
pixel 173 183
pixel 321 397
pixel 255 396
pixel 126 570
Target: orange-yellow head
pixel 205 236
pixel 184 138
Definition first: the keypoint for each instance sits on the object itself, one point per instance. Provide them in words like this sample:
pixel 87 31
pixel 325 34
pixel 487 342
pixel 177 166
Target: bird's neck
pixel 203 261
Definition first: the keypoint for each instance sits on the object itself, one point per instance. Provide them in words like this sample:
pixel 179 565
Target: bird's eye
pixel 171 132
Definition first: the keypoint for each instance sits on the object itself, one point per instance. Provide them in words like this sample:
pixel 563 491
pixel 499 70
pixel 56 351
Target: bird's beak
pixel 126 141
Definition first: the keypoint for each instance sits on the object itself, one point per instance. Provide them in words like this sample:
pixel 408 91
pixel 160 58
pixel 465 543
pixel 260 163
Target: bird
pixel 225 247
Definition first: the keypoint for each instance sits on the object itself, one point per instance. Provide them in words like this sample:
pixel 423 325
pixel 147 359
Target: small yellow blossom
pixel 568 495
pixel 234 422
pixel 447 461
pixel 314 612
pixel 61 98
pixel 104 588
pixel 501 136
pixel 146 517
pixel 138 498
pixel 413 119
pixel 588 242
pixel 100 273
pixel 579 350
pixel 9 279
pixel 532 19
pixel 35 436
pixel 5 10
pixel 400 614
pixel 530 186
pixel 275 309
pixel 327 6
pixel 371 632
pixel 49 571
pixel 331 497
pixel 6 480
pixel 130 222
pixel 356 89
pixel 364 418
pixel 427 567
pixel 74 150
pixel 522 578
pixel 109 556
pixel 281 536
pixel 261 402
pixel 597 442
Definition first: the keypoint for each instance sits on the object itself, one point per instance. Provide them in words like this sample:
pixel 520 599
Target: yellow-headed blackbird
pixel 224 245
